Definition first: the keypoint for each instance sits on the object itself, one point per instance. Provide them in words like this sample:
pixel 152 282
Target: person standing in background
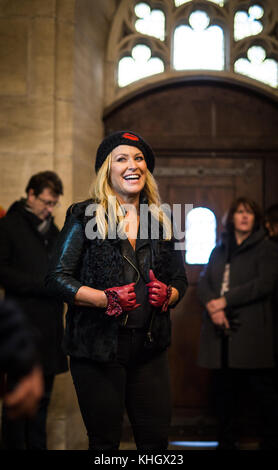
pixel 271 222
pixel 27 238
pixel 236 289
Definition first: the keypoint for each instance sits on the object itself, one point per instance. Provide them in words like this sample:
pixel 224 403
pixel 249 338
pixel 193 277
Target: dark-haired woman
pixel 237 331
pixel 119 286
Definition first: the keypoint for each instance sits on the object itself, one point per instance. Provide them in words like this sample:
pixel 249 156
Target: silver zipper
pixel 138 277
pixel 138 274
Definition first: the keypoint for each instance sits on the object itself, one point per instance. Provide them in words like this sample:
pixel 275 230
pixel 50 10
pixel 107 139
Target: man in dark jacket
pixel 27 237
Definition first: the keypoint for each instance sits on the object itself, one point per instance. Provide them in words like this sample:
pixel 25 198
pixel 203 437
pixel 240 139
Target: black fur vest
pixel 92 334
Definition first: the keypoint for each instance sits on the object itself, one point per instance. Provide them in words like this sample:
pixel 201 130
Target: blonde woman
pixel 119 277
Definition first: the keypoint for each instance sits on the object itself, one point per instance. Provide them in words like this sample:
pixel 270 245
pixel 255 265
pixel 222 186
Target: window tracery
pixel 154 40
pixel 181 2
pixel 151 22
pixel 139 65
pixel 199 45
pixel 257 66
pixel 248 23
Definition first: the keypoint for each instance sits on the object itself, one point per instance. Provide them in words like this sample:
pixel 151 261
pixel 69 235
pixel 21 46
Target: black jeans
pixel 28 433
pixel 104 390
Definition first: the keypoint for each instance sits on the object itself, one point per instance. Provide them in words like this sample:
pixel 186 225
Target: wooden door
pixel 213 141
pixel 210 183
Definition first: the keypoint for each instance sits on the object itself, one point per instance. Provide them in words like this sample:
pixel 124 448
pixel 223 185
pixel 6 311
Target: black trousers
pixel 28 433
pixel 228 387
pixel 142 387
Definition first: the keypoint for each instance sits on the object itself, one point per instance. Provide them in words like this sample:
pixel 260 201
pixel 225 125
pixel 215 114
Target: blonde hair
pixel 102 189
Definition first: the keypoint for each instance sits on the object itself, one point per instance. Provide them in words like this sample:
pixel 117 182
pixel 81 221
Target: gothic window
pixel 248 23
pixel 152 40
pixel 140 64
pixel 258 66
pixel 200 235
pixel 198 46
pixel 181 2
pixel 151 22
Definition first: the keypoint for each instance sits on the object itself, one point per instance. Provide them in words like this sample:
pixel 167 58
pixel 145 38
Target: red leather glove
pixel 121 299
pixel 159 293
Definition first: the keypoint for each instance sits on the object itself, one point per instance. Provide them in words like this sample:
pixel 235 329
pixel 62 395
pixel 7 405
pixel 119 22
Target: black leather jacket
pixel 97 263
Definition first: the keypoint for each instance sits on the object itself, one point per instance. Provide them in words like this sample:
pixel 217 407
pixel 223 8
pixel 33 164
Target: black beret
pixel 124 138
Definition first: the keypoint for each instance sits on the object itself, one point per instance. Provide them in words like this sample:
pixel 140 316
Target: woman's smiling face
pixel 128 171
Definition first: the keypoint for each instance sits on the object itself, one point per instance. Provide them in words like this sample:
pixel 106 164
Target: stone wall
pixel 36 93
pixel 92 27
pixel 51 102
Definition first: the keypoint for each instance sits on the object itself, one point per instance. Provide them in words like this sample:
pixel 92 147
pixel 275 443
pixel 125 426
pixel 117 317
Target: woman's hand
pixel 159 293
pixel 126 296
pixel 114 299
pixel 215 305
pixel 219 319
pixel 23 400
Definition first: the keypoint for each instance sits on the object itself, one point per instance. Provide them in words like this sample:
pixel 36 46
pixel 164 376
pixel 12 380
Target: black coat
pixel 24 257
pixel 253 273
pixel 275 307
pixel 17 350
pixel 98 263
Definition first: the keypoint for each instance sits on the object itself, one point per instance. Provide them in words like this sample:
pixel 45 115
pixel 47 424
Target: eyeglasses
pixel 49 203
